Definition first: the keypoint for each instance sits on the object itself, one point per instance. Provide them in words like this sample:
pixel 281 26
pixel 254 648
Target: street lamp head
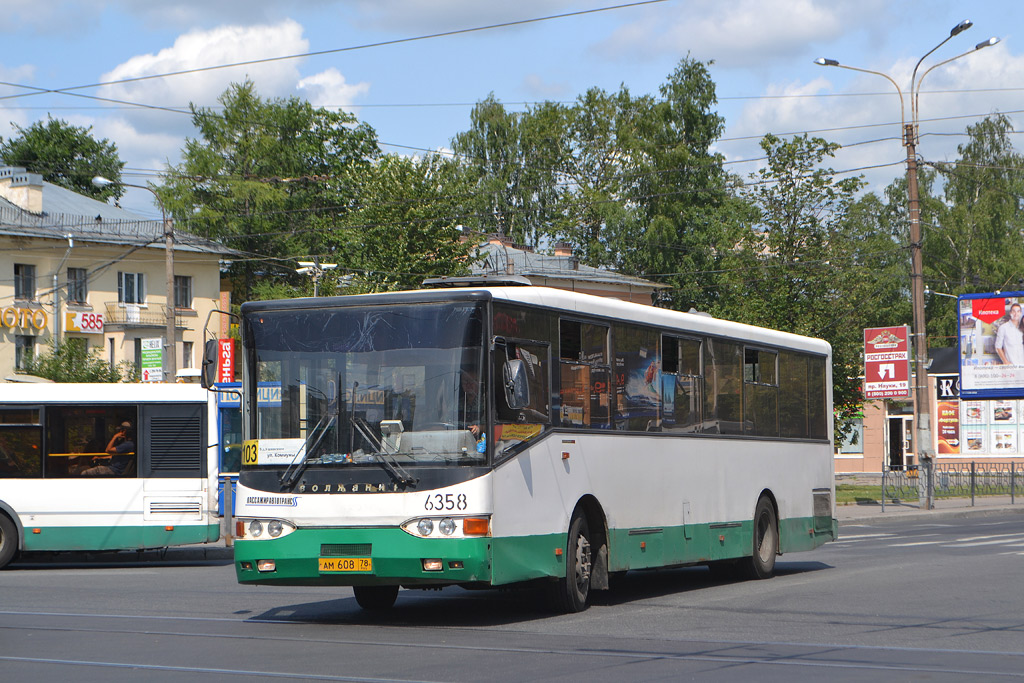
pixel 824 61
pixel 986 43
pixel 100 181
pixel 961 27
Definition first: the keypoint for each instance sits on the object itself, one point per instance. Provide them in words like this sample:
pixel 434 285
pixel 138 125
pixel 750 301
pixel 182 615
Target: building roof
pixel 504 259
pixel 67 213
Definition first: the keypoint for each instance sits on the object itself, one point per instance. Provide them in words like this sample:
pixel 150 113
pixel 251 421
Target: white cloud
pixel 536 86
pixel 55 16
pixel 330 89
pixel 838 106
pixel 147 136
pixel 738 34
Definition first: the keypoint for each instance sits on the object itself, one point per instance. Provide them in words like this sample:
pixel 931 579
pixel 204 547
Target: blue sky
pixel 418 94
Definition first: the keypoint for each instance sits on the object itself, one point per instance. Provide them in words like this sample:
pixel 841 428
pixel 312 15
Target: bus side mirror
pixel 211 354
pixel 517 389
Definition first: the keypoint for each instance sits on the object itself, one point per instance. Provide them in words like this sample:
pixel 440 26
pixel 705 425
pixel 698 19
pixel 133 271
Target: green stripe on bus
pixel 117 538
pixel 397 557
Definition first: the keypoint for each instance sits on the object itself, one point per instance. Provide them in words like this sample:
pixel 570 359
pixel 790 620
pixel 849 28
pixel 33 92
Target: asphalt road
pixel 935 599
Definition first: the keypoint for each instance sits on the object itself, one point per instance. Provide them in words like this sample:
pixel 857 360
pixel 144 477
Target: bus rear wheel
pixel 8 540
pixel 761 563
pixel 571 594
pixel 375 597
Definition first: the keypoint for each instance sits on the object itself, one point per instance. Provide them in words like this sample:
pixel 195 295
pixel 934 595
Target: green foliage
pixel 65 155
pixel 269 177
pixel 976 246
pixel 72 362
pixel 816 262
pixel 410 230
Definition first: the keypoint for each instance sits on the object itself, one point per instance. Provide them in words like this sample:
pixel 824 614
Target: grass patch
pixel 864 494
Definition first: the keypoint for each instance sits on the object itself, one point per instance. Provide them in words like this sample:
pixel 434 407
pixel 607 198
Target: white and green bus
pixel 106 467
pixel 495 436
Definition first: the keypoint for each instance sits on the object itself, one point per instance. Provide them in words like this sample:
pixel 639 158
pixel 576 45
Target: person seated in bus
pixel 121 450
pixel 470 400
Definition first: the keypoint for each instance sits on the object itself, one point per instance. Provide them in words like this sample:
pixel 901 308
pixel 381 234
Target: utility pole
pixel 922 400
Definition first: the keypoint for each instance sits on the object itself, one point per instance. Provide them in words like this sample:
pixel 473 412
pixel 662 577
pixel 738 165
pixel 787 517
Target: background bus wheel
pixel 572 592
pixel 8 540
pixel 375 597
pixel 761 564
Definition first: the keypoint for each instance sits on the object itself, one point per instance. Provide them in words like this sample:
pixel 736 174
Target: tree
pixel 271 178
pixel 976 246
pixel 511 163
pixel 408 227
pixel 72 362
pixel 65 155
pixel 816 262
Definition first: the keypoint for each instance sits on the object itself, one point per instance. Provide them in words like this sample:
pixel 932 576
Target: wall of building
pixel 36 319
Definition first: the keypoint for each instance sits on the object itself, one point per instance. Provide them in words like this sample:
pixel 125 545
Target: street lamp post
pixel 170 357
pixel 922 413
pixel 316 270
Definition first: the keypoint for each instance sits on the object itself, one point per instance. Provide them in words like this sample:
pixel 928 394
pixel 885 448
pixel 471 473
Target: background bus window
pixel 793 397
pixel 681 384
pixel 21 437
pixel 584 374
pixel 515 427
pixel 760 393
pixel 77 439
pixel 637 378
pixel 723 381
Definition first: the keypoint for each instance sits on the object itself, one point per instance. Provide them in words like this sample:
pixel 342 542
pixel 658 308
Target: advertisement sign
pixel 949 427
pixel 225 360
pixel 83 321
pixel 991 346
pixel 887 362
pixel 152 359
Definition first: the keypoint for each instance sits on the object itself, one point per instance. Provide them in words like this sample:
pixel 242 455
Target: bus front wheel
pixel 572 592
pixel 8 540
pixel 761 563
pixel 375 597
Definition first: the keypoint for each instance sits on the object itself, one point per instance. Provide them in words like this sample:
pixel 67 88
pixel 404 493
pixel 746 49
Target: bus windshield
pixel 395 384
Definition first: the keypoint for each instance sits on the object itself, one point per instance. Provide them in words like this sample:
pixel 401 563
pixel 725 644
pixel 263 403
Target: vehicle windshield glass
pixel 360 383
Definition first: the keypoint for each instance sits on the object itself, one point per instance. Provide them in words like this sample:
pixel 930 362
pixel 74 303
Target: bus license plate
pixel 346 564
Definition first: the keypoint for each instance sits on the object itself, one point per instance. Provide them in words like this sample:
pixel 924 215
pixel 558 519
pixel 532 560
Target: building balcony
pixel 135 315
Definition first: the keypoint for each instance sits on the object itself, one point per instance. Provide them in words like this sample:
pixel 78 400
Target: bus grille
pixel 176 443
pixel 176 509
pixel 345 549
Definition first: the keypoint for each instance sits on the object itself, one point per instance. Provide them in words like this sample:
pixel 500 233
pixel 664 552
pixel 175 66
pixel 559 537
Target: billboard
pixel 887 362
pixel 991 345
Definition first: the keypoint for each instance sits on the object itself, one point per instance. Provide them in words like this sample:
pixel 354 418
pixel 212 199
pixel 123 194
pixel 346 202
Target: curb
pixel 941 513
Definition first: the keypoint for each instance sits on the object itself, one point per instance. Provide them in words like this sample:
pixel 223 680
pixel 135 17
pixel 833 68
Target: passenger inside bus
pixel 121 450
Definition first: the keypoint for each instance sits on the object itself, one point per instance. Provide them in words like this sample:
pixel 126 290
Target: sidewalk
pixel 944 508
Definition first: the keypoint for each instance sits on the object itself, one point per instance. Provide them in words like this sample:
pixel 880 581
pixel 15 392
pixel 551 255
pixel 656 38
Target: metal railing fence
pixel 957 480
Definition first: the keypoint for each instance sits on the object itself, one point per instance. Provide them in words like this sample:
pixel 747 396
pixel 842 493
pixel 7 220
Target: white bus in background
pixel 106 467
pixel 496 436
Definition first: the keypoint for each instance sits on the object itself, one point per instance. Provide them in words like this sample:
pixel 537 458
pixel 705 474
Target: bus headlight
pixel 449 527
pixel 253 529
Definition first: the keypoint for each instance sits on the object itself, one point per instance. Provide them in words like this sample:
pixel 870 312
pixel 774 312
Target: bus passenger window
pixel 20 443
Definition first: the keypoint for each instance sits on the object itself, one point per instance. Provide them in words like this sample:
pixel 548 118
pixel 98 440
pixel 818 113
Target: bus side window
pixel 21 443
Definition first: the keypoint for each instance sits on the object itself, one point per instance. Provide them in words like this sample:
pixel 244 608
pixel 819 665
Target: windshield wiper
pixel 397 473
pixel 298 466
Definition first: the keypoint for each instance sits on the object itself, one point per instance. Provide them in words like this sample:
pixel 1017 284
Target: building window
pixel 77 285
pixel 24 282
pixel 131 288
pixel 186 354
pixel 183 291
pixel 24 346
